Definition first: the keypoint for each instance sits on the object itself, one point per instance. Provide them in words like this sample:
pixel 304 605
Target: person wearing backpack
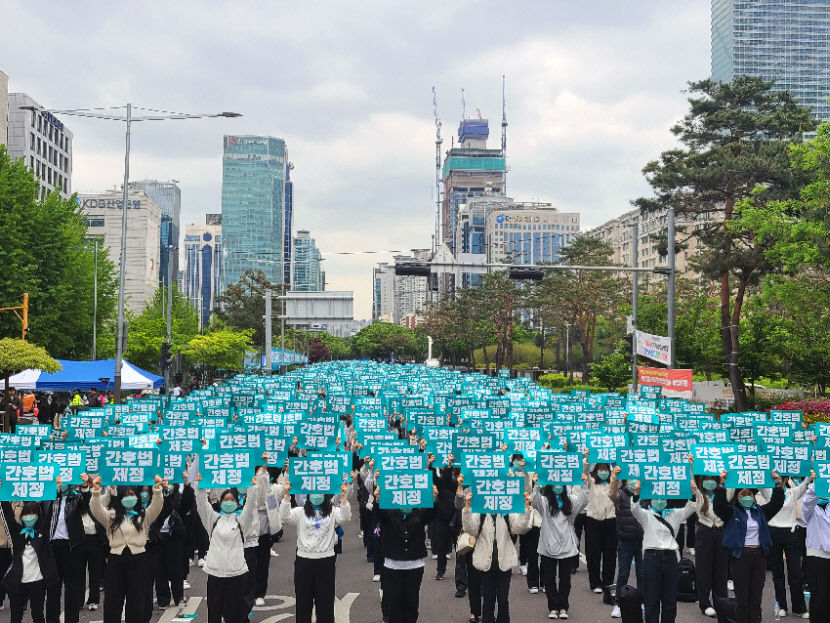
pixel 629 536
pixel 746 535
pixel 661 554
pixel 225 561
pixel 817 515
pixel 558 545
pixel 495 555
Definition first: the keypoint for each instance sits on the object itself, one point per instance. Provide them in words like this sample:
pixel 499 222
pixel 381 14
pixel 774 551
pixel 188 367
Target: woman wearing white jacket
pixel 495 542
pixel 314 568
pixel 225 561
pixel 558 545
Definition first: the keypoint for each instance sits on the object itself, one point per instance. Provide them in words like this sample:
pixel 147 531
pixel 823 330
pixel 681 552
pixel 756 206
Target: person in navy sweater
pixel 747 537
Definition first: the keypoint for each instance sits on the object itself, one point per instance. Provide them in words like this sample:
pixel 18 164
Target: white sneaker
pixel 691 551
pixel 274 554
pixel 710 612
pixel 597 590
pixel 782 613
pixel 533 590
pixel 524 569
pixel 554 614
pixel 615 613
pixel 806 615
pixel 435 556
pixel 376 578
pixel 91 607
pixel 360 534
pixel 201 562
pixel 563 614
pixel 730 585
pixel 259 601
pixel 185 585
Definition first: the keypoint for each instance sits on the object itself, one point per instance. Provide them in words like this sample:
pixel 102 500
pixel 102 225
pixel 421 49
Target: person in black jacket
pixel 92 553
pixel 169 571
pixel 444 480
pixel 65 529
pixel 403 544
pixel 629 535
pixel 33 568
pixel 746 535
pixel 154 548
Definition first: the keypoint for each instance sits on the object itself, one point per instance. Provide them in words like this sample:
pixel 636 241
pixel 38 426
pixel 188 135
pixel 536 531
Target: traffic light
pixel 628 350
pixel 414 269
pixel 166 356
pixel 534 274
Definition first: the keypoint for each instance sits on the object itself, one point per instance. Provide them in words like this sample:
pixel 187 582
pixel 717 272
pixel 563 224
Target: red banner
pixel 675 383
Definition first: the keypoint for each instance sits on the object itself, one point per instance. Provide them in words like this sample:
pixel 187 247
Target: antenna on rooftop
pixel 463 106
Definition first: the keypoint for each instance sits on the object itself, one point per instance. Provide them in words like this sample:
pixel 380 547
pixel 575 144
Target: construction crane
pixel 23 316
pixel 439 225
pixel 504 130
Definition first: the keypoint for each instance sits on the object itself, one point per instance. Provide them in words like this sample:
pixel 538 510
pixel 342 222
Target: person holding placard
pixel 785 545
pixel 746 535
pixel 225 561
pixel 558 545
pixel 528 542
pixel 127 524
pixel 403 545
pixel 495 555
pixel 32 568
pixel 445 481
pixel 711 557
pixel 817 516
pixel 314 568
pixel 600 527
pixel 661 554
pixel 629 535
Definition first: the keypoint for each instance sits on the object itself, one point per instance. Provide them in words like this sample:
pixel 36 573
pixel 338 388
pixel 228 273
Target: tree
pixel 735 142
pixel 242 305
pixel 148 330
pixel 219 349
pixel 385 341
pixel 317 350
pixel 43 251
pixel 613 370
pixel 19 355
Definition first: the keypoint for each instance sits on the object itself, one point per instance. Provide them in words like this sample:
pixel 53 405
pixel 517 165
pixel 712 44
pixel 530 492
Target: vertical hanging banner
pixel 654 347
pixel 674 383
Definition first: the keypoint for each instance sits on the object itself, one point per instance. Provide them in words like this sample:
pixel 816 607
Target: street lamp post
pixel 95 306
pixel 128 119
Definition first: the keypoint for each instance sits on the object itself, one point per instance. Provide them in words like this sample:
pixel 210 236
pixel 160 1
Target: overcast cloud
pixel 592 89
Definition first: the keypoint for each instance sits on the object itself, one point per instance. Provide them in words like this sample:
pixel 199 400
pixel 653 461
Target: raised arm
pixel 723 509
pixel 775 504
pixel 156 503
pixel 208 516
pixel 97 509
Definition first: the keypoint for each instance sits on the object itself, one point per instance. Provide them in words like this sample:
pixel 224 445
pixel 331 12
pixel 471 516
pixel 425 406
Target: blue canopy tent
pixel 85 375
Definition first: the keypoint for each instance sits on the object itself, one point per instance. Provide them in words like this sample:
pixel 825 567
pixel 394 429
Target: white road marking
pixel 190 608
pixel 342 608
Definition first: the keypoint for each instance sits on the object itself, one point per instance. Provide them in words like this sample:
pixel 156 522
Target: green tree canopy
pixel 383 341
pixel 242 305
pixel 44 251
pixel 219 349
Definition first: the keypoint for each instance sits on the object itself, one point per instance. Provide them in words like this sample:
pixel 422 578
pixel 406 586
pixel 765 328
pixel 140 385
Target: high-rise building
pixel 383 292
pixel 307 260
pixel 168 196
pixel 202 260
pixel 785 41
pixel 253 208
pixel 4 108
pixel 400 299
pixel 103 213
pixel 43 142
pixel 287 237
pixel 529 233
pixel 470 170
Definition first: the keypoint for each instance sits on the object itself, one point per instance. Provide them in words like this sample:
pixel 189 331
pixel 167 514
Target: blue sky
pixel 592 89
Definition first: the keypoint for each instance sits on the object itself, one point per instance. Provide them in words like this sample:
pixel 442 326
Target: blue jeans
pixel 628 550
pixel 659 588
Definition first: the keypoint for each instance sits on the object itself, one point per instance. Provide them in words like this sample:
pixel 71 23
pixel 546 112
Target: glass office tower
pixel 787 41
pixel 253 207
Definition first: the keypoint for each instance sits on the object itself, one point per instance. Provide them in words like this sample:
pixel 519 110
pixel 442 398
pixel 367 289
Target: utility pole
pixel 95 305
pixel 122 264
pixel 169 316
pixel 282 332
pixel 635 256
pixel 269 353
pixel 670 295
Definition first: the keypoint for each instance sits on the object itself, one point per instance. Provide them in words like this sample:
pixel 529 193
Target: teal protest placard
pixel 822 484
pixel 498 495
pixel 602 447
pixel 34 430
pixel 752 470
pixel 778 415
pixel 320 473
pixel 631 460
pixel 172 465
pixel 484 465
pixel 70 463
pixel 127 467
pixel 28 482
pixel 226 469
pixel 10 454
pixel 396 462
pixel 405 489
pixel 473 443
pixel 559 468
pixel 710 459
pixel 665 481
pixel 791 459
